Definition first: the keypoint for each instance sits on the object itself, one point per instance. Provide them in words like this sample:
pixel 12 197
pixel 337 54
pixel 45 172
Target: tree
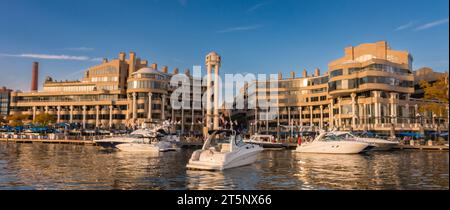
pixel 3 120
pixel 44 119
pixel 16 119
pixel 438 92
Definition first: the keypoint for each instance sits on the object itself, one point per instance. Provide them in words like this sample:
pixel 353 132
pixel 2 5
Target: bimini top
pixel 148 71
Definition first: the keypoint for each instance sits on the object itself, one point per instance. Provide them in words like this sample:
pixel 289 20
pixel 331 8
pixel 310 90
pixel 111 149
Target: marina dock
pixel 47 141
pixel 421 147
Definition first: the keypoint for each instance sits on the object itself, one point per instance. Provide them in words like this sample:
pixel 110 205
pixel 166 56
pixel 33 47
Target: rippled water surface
pixel 41 166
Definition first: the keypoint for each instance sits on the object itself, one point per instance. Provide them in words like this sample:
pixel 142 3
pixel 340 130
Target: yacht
pixel 222 150
pixel 329 143
pixel 265 141
pixel 375 144
pixel 145 139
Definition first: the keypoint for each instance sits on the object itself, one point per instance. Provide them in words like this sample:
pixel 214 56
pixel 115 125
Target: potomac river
pixel 69 167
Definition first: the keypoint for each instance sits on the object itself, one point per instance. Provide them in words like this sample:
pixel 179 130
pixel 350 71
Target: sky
pixel 252 36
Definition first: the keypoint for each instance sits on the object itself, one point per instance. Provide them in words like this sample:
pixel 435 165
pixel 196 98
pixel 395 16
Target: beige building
pixel 368 89
pixel 118 93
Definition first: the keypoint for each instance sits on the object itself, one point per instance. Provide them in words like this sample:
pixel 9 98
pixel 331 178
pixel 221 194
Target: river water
pixel 68 167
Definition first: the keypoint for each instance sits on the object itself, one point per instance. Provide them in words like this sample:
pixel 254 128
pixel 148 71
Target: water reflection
pixel 41 166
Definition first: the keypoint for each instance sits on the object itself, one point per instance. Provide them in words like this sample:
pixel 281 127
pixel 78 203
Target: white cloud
pixel 406 26
pixel 256 6
pixel 50 57
pixel 80 49
pixel 240 28
pixel 432 24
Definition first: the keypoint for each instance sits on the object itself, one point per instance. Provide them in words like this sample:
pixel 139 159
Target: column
pixel 300 116
pixel 163 108
pixel 321 117
pixel 71 114
pixel 84 117
pixel 149 114
pixel 340 111
pixel 289 118
pixel 408 114
pixel 331 114
pixel 134 108
pixel 110 116
pixel 394 113
pixel 353 95
pixel 192 117
pixel 182 121
pixel 58 119
pixel 311 116
pixel 208 100
pixel 34 113
pixel 216 97
pixel 377 108
pixel 97 116
pixel 46 109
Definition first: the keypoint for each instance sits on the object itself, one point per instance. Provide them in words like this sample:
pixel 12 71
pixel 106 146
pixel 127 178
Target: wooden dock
pixel 421 147
pixel 47 141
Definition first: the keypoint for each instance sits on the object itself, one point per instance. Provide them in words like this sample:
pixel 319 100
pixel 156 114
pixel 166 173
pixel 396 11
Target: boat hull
pixel 267 145
pixel 341 147
pixel 231 160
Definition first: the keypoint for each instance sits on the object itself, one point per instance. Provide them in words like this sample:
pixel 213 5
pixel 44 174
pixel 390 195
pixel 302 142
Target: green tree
pixel 438 92
pixel 16 119
pixel 44 119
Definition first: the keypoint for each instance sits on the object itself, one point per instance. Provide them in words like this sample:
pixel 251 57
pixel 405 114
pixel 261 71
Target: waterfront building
pixel 369 89
pixel 5 95
pixel 117 94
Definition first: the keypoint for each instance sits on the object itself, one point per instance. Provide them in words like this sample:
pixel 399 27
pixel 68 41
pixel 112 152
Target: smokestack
pixel 305 73
pixel 317 72
pixel 122 56
pixel 155 66
pixel 132 63
pixel 35 77
pixel 293 74
pixel 165 69
pixel 176 71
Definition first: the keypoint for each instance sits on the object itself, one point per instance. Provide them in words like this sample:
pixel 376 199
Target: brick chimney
pixel 35 77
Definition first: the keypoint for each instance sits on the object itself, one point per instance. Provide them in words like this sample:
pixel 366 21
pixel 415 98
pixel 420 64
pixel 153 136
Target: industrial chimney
pixel 34 77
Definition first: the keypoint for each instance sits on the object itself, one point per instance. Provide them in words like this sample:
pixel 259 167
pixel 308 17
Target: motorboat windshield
pixel 330 137
pixel 222 140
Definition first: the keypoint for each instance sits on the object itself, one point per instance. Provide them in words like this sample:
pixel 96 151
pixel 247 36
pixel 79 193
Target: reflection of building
pixel 117 93
pixel 369 88
pixel 4 101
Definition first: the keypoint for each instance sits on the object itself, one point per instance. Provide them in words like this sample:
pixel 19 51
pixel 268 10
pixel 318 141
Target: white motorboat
pixel 329 143
pixel 147 146
pixel 265 141
pixel 375 143
pixel 145 139
pixel 222 150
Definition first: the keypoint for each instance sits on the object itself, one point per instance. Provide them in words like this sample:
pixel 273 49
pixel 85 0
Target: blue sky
pixel 258 36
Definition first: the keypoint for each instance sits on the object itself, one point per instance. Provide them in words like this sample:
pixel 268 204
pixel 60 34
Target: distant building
pixel 369 89
pixel 5 95
pixel 118 93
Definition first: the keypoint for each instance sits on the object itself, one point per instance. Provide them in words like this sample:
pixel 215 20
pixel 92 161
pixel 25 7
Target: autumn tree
pixel 438 92
pixel 16 119
pixel 44 119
